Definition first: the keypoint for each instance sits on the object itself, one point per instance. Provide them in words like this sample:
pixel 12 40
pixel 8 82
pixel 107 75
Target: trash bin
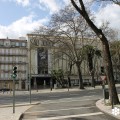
pixel 106 94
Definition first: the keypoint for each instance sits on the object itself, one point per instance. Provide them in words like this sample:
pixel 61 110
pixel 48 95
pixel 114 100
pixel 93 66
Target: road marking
pixel 89 96
pixel 54 96
pixel 74 94
pixel 91 92
pixel 61 101
pixel 59 110
pixel 69 116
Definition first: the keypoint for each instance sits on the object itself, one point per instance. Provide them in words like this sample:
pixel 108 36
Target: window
pixel 17 44
pixel 10 51
pixel 2 75
pixel 2 67
pixel 2 50
pixel 1 43
pixel 6 67
pixel 7 59
pixel 13 44
pixel 7 51
pixel 2 59
pixel 17 59
pixel 6 75
pixel 17 51
pixel 7 44
pixel 23 44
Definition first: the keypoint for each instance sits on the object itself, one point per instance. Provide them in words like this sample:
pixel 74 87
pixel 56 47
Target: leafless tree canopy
pixel 107 57
pixel 113 1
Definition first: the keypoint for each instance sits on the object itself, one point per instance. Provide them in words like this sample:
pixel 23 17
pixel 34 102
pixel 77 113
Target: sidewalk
pixel 6 111
pixel 108 109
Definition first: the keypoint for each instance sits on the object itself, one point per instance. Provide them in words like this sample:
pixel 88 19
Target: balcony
pixel 10 71
pixel 9 79
pixel 13 62
pixel 12 54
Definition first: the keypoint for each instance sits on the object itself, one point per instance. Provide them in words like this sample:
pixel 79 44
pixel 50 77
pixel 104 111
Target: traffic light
pixel 102 70
pixel 14 71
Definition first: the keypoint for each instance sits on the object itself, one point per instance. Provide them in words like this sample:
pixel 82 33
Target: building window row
pixel 8 76
pixel 18 44
pixel 10 67
pixel 12 59
pixel 12 43
pixel 13 51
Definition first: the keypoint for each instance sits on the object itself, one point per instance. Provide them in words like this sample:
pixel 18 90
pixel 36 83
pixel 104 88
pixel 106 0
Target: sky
pixel 19 17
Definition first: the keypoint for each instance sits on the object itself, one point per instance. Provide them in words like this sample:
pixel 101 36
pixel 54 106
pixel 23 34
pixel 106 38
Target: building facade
pixel 43 59
pixel 13 52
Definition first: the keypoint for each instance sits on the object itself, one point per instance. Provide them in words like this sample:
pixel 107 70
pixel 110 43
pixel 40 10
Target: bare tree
pixel 91 53
pixel 117 2
pixel 70 30
pixel 115 54
pixel 108 63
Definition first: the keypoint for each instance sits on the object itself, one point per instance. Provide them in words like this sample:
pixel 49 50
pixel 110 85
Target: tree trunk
pixel 90 62
pixel 100 34
pixel 69 80
pixel 80 77
pixel 109 73
pixel 93 80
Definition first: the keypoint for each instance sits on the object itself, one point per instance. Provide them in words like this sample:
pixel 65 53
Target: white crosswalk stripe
pixel 69 116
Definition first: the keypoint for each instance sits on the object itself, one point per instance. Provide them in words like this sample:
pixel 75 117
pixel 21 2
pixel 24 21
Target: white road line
pixel 69 116
pixel 61 101
pixel 76 108
pixel 89 96
pixel 92 92
pixel 54 96
pixel 66 99
pixel 74 94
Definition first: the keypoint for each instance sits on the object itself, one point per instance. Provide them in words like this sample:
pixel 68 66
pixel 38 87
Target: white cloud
pixel 110 13
pixel 23 2
pixel 66 2
pixel 50 4
pixel 21 27
pixel 19 2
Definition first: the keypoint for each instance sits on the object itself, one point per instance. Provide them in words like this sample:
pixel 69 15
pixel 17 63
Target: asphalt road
pixel 72 105
pixel 6 98
pixel 76 108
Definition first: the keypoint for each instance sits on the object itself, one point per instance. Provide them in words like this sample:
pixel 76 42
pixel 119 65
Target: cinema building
pixel 43 59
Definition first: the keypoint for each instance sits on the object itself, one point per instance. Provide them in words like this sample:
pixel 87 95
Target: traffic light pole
pixel 14 75
pixel 13 95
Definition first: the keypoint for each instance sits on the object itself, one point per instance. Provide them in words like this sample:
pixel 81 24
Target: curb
pixel 17 105
pixel 22 114
pixel 21 117
pixel 102 107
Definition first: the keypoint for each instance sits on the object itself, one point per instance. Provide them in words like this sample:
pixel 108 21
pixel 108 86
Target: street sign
pixel 103 78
